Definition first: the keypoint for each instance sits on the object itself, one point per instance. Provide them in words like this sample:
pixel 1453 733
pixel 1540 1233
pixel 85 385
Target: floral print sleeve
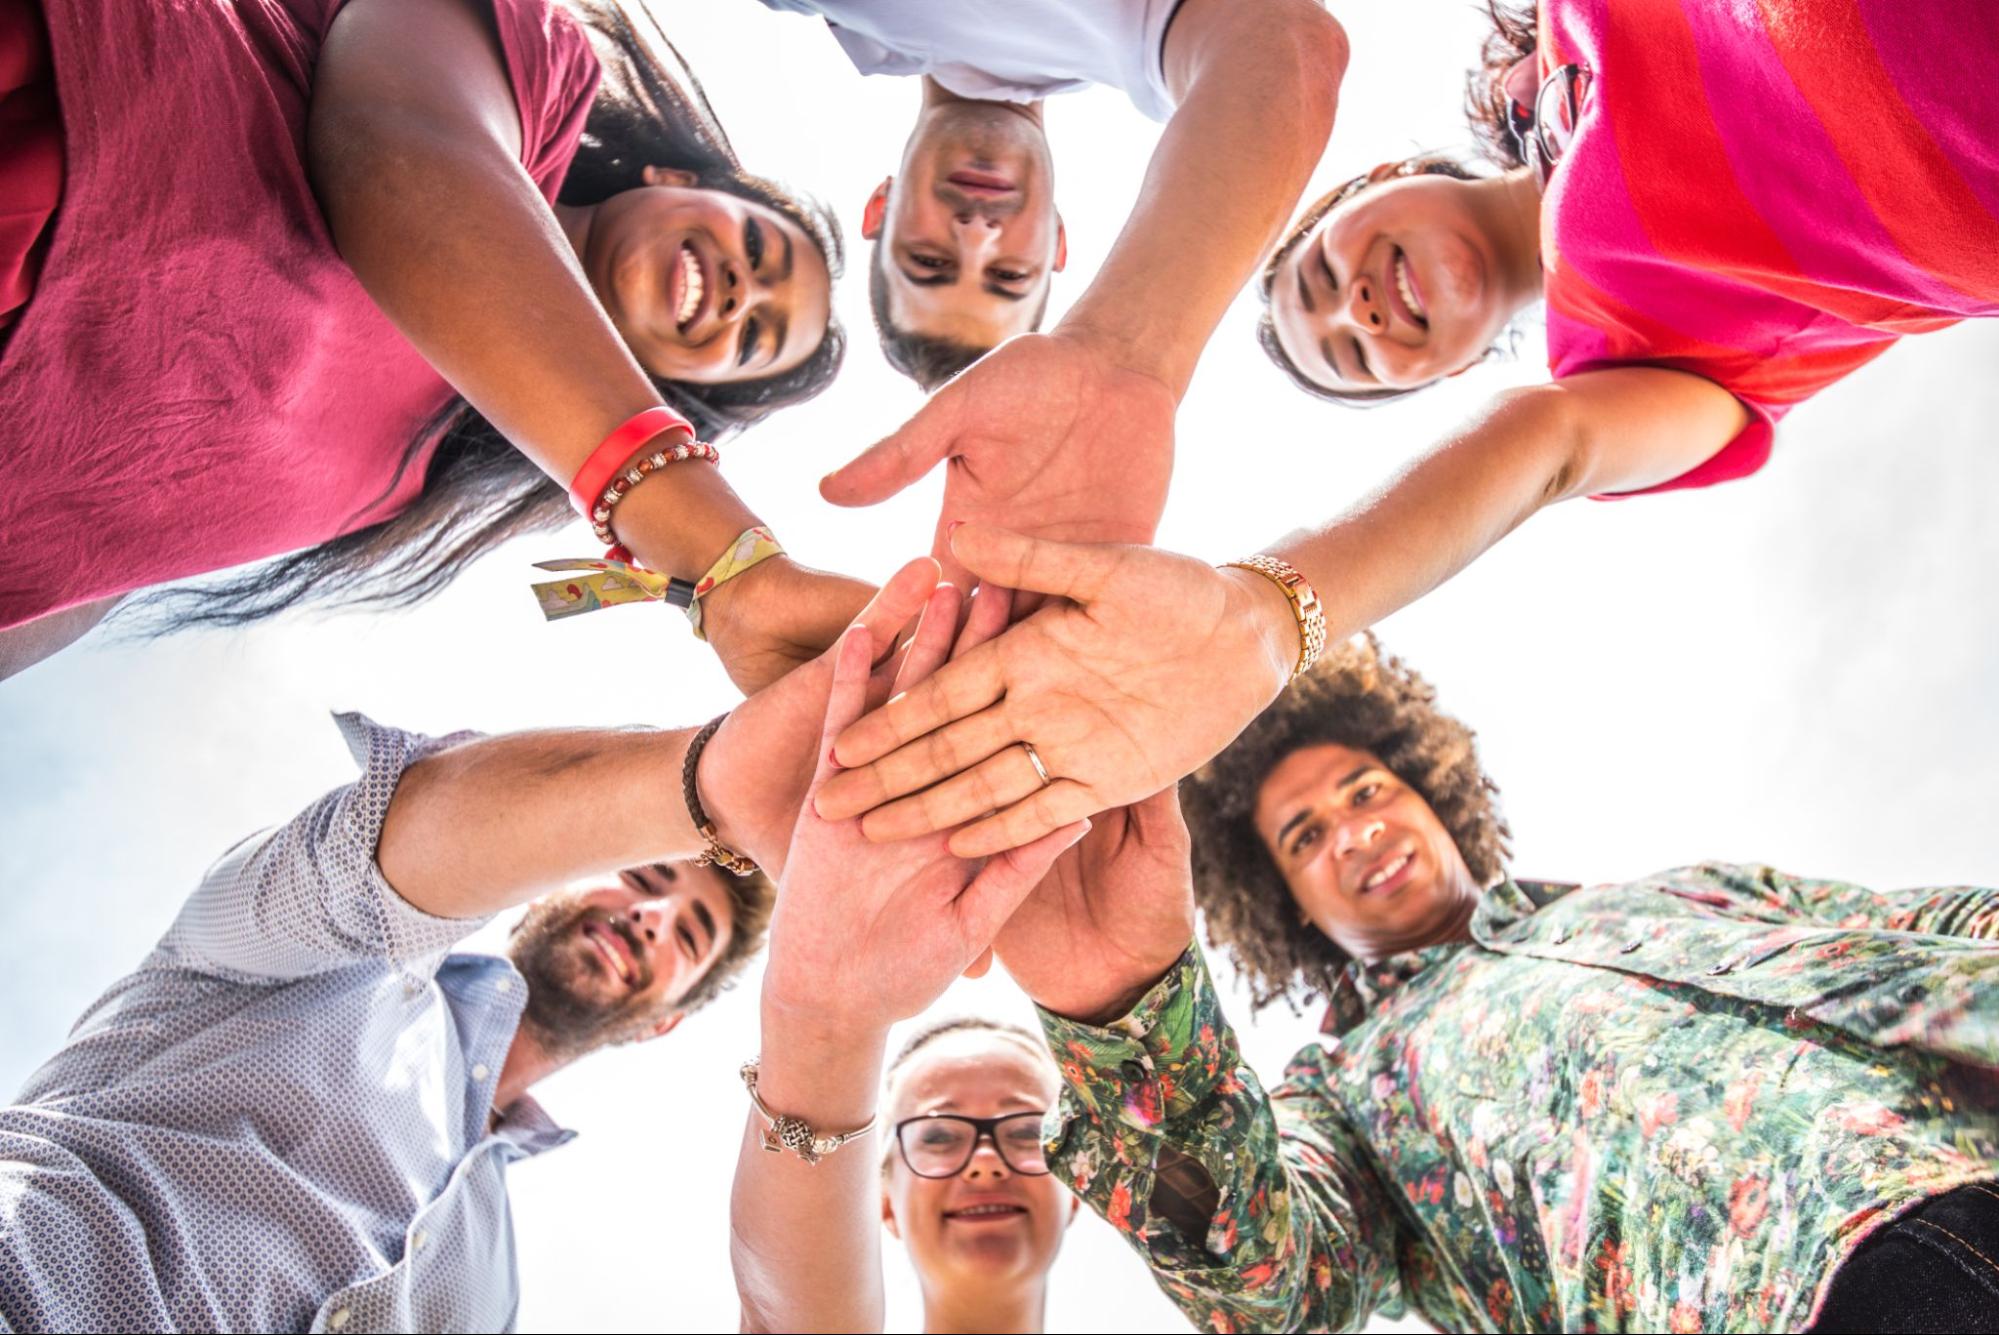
pixel 1963 911
pixel 1160 1115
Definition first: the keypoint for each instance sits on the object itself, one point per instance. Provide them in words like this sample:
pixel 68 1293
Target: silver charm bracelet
pixel 786 1132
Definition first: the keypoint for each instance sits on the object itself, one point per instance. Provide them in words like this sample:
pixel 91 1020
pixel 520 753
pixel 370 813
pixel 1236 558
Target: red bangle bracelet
pixel 605 461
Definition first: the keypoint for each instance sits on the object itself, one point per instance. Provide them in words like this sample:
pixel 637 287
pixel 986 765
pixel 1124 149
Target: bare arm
pixel 1257 87
pixel 414 152
pixel 496 822
pixel 1605 431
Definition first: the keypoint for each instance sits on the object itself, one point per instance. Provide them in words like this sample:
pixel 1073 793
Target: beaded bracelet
pixel 615 491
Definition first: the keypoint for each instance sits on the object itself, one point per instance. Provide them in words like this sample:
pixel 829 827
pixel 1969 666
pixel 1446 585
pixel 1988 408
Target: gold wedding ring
pixel 1034 759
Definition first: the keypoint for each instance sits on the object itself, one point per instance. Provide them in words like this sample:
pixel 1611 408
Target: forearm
pixel 1257 100
pixel 496 822
pixel 1170 1136
pixel 805 1239
pixel 413 152
pixel 1438 514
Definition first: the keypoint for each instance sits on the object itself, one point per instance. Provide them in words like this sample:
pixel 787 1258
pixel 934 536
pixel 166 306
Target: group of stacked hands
pixel 1721 1097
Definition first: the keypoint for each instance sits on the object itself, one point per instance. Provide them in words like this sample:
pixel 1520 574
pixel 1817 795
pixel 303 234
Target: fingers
pixel 848 697
pixel 992 609
pixel 898 602
pixel 957 690
pixel 893 462
pixel 1005 881
pixel 930 648
pixel 1039 814
pixel 931 758
pixel 1034 565
pixel 992 784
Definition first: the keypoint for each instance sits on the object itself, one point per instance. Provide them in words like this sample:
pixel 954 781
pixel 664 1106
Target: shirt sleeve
pixel 1161 1119
pixel 308 896
pixel 1958 910
pixel 554 73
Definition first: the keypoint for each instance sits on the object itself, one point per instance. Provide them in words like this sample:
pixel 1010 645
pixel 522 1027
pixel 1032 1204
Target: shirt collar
pixel 1362 988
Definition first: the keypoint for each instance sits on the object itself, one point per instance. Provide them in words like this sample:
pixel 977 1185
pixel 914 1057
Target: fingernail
pixel 953 527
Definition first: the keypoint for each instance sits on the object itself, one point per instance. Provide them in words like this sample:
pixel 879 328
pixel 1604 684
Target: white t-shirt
pixel 1008 50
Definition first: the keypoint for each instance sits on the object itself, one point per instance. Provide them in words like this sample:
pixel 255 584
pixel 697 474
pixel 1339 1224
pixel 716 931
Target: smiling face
pixel 705 286
pixel 989 1225
pixel 1403 283
pixel 609 961
pixel 967 235
pixel 1365 857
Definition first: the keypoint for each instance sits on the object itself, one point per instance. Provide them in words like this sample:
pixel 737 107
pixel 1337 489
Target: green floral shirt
pixel 1670 1105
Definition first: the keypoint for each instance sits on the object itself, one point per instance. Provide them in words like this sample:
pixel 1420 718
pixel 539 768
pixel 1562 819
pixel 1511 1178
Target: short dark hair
pixel 1423 164
pixel 926 360
pixel 1356 696
pixel 751 899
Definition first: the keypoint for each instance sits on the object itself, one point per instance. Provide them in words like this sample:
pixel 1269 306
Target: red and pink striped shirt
pixel 1769 193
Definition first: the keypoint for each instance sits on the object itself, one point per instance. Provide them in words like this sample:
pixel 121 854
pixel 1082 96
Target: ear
pixel 888 1216
pixel 662 1027
pixel 1383 172
pixel 668 176
pixel 875 211
pixel 1061 245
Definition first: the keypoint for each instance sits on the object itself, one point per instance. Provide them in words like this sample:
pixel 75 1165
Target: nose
pixel 975 233
pixel 652 919
pixel 1358 836
pixel 985 1165
pixel 1363 310
pixel 742 292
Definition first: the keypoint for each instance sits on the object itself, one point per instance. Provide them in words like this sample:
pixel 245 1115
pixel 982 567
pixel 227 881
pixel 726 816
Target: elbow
pixel 1315 61
pixel 1549 428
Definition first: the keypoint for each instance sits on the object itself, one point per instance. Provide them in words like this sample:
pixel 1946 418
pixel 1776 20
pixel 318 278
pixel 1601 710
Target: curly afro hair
pixel 1360 697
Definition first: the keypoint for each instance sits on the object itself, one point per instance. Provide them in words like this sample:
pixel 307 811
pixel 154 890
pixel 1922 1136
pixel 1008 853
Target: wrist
pixel 1110 1007
pixel 1136 346
pixel 1261 609
pixel 822 1068
pixel 722 606
pixel 684 517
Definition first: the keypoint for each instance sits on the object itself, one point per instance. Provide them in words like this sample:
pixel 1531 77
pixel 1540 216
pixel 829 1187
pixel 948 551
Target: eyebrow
pixel 948 279
pixel 706 918
pixel 996 290
pixel 785 272
pixel 1304 292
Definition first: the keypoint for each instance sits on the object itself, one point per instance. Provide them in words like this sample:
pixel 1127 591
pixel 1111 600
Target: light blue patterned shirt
pixel 280 1121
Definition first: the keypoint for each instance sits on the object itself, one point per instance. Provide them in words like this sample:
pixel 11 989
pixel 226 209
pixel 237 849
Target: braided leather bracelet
pixel 716 853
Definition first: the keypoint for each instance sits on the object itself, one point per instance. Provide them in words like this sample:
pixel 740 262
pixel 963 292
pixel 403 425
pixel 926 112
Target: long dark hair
pixel 478 490
pixel 1488 106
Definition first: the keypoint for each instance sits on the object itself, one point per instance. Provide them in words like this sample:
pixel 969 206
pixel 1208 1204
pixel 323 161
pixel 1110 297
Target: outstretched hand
pixel 1109 919
pixel 866 934
pixel 1150 665
pixel 1047 435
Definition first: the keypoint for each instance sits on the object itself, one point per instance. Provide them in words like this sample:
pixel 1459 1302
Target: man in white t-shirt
pixel 1070 434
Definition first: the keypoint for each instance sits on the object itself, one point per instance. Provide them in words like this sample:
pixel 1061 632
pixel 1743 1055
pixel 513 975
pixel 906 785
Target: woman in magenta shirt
pixel 309 274
pixel 1726 209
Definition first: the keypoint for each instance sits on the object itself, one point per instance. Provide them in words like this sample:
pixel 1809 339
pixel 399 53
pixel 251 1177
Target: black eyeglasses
pixel 1544 136
pixel 941 1144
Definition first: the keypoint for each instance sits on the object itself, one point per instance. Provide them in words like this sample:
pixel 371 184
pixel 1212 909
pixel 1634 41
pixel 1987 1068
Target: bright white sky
pixel 1796 669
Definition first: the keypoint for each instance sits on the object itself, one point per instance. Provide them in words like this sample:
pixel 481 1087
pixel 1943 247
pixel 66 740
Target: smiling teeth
pixel 1402 284
pixel 980 1210
pixel 1386 872
pixel 690 286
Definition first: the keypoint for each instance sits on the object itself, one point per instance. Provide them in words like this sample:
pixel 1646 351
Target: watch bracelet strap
pixel 1305 606
pixel 717 853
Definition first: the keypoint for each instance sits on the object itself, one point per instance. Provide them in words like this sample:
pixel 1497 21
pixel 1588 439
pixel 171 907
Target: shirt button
pixel 1562 937
pixel 339 1319
pixel 1133 1071
pixel 1631 945
pixel 417 1239
pixel 479 1071
pixel 504 986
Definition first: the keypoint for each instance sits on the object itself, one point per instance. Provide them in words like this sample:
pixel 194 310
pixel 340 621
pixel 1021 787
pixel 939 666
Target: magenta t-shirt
pixel 198 380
